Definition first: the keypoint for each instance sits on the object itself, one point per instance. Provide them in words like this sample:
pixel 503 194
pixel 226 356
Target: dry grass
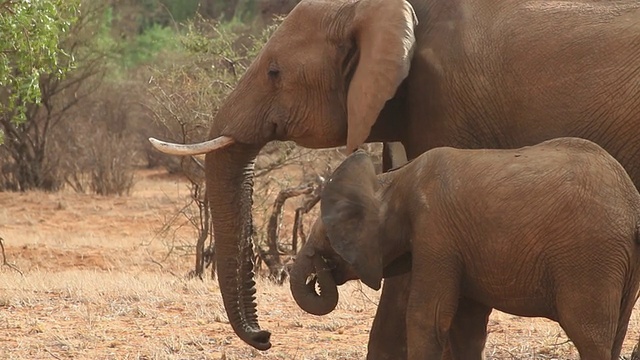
pixel 112 314
pixel 100 284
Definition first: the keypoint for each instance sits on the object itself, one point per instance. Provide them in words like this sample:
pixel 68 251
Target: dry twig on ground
pixel 4 258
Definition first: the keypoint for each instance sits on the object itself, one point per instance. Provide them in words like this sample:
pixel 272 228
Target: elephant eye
pixel 273 73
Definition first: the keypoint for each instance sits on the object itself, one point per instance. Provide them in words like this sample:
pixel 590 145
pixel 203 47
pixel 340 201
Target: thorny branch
pixel 271 255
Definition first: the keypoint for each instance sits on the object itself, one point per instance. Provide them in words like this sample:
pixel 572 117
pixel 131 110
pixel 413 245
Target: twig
pixel 162 267
pixel 52 354
pixel 366 297
pixel 4 258
pixel 562 343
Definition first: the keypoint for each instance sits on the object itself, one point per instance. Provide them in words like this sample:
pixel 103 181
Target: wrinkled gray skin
pixel 426 73
pixel 549 230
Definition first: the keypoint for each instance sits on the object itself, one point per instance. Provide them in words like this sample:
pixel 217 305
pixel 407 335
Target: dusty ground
pixel 101 282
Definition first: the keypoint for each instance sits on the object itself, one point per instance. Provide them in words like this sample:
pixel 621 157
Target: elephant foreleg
pixel 431 308
pixel 468 332
pixel 388 337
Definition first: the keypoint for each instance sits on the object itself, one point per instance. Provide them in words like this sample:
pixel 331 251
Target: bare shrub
pixel 113 149
pixel 111 173
pixel 98 151
pixel 105 166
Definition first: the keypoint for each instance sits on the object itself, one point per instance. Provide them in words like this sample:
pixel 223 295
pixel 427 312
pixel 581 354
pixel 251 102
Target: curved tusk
pixel 192 149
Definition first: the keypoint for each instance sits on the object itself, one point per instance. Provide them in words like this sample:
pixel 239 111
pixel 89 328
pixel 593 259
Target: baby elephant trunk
pixel 308 270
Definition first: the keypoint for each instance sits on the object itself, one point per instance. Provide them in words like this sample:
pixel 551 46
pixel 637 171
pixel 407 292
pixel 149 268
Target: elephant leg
pixel 468 333
pixel 590 321
pixel 388 339
pixel 431 307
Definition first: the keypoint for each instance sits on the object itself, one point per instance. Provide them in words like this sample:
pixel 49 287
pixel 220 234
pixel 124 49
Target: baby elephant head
pixel 343 244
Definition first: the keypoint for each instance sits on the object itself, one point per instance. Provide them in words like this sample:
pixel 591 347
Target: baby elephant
pixel 549 230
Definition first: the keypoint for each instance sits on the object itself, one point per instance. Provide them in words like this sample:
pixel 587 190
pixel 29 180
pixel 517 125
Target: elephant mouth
pixel 313 283
pixel 340 271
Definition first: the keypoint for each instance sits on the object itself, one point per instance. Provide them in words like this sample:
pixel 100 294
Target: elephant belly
pixel 514 296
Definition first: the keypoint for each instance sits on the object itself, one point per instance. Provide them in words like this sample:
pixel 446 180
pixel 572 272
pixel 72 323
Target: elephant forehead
pixel 312 14
pixel 326 18
pixel 297 34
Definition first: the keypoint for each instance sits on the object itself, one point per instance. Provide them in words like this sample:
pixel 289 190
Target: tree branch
pixel 271 257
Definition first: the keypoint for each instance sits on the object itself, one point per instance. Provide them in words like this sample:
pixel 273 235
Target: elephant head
pixel 354 237
pixel 321 80
pixel 349 237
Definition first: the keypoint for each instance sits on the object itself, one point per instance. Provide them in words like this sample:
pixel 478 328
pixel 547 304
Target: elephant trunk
pixel 229 190
pixel 310 269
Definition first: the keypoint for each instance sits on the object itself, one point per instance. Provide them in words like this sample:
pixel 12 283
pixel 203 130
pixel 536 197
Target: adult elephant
pixel 426 73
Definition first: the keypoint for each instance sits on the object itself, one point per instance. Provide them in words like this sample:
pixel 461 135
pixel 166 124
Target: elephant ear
pixel 350 213
pixel 383 32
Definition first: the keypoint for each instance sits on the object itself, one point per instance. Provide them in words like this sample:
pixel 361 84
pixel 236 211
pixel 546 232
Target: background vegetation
pixel 84 84
pixel 79 82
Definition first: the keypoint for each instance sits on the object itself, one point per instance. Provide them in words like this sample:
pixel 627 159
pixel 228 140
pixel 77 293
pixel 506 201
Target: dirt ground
pixel 102 281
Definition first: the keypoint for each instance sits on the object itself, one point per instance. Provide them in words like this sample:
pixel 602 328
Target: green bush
pixel 32 32
pixel 154 41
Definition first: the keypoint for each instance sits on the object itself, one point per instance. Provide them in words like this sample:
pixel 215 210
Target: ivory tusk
pixel 192 149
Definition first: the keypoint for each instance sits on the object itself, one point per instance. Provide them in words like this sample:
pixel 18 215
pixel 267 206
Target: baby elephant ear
pixel 349 211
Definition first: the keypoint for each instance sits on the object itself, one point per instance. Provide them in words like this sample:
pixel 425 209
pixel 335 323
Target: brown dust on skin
pixel 99 283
